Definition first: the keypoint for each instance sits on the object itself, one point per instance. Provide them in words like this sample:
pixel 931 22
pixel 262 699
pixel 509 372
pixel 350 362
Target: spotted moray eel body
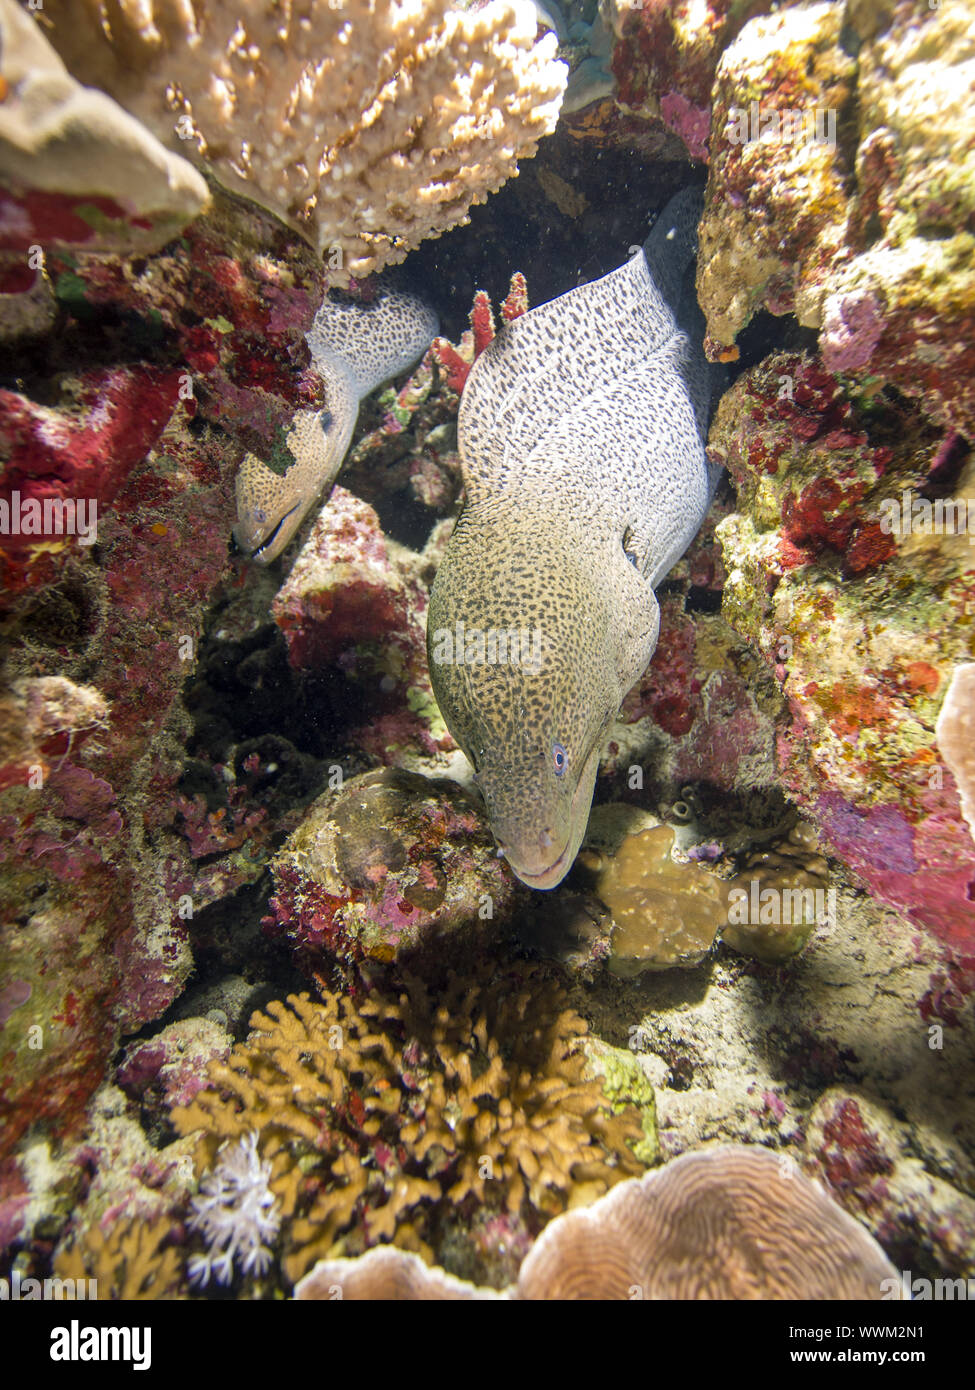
pixel 582 438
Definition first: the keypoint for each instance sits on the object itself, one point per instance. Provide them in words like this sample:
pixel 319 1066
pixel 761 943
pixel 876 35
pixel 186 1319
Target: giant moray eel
pixel 582 434
pixel 355 346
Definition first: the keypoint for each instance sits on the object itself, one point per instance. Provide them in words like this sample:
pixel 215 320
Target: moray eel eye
pixel 560 759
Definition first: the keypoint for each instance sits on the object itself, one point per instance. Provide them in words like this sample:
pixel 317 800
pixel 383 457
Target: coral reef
pixel 777 899
pixel 773 222
pixel 665 913
pixel 811 549
pixel 841 190
pixel 732 1222
pixel 134 1261
pixel 365 128
pixel 350 602
pixel 383 1117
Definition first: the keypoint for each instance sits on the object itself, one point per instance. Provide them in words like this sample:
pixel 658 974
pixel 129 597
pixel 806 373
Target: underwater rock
pixel 885 273
pixel 77 170
pixel 168 1068
pixel 731 1222
pixel 774 217
pixel 389 866
pixel 100 839
pixel 349 602
pixel 665 57
pixel 900 309
pixel 665 914
pixel 867 1158
pixel 814 550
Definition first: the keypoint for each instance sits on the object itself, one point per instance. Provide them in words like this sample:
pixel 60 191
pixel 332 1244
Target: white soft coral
pixel 236 1212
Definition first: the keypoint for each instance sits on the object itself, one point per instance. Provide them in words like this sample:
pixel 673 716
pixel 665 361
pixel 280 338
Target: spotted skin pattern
pixel 355 347
pixel 582 439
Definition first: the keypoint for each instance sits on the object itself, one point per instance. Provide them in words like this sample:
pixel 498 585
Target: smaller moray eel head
pixel 271 505
pixel 584 624
pixel 268 511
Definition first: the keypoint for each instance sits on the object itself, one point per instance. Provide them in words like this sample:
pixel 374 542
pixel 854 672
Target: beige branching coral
pixel 132 1261
pixel 373 1113
pixel 367 126
pixel 733 1222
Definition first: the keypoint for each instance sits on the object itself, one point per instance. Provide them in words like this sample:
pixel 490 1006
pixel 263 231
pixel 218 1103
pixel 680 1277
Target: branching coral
pixel 370 1112
pixel 368 127
pixel 132 1261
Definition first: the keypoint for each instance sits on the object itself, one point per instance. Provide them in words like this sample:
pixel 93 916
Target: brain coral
pixel 375 1113
pixel 732 1222
pixel 366 126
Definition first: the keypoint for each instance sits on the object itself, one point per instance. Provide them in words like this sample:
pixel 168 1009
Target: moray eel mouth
pixel 555 871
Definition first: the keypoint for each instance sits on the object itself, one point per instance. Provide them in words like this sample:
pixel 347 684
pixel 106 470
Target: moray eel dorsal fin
pixel 582 436
pixel 355 346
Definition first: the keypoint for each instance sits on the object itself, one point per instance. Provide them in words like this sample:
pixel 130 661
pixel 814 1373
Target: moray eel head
pixel 532 648
pixel 268 511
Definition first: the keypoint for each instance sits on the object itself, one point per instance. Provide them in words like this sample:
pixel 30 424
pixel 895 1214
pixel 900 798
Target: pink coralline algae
pixel 665 59
pixel 871 1166
pixel 98 840
pixel 348 602
pixel 851 330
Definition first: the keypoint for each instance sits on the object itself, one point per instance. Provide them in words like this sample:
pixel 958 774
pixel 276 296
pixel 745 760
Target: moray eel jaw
pixel 539 861
pixel 264 531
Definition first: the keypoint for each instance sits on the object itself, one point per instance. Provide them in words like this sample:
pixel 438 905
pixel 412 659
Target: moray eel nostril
pixel 582 432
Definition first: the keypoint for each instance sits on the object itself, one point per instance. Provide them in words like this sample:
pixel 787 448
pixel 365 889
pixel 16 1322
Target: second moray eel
pixel 355 346
pixel 582 438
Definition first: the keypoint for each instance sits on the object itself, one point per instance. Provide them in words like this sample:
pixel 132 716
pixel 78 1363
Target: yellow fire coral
pixel 373 1113
pixel 131 1261
pixel 366 126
